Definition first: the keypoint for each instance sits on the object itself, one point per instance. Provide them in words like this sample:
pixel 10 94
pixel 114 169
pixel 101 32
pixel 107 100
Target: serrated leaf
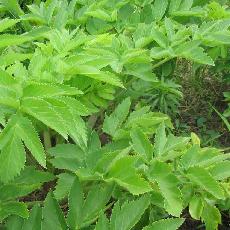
pixel 169 27
pixel 113 122
pixel 174 5
pixel 96 200
pixel 126 216
pixel 141 144
pixel 12 159
pixel 169 224
pixel 160 140
pixel 196 206
pixel 78 129
pixel 175 143
pixel 53 217
pixel 141 70
pixel 30 175
pixel 77 106
pixel 13 39
pixel 28 181
pixel 193 12
pixel 220 171
pixel 7 23
pixel 43 111
pixel 94 73
pixel 211 217
pixel 189 158
pixel 47 90
pixel 76 199
pixel 213 157
pixel 104 162
pixel 159 9
pixel 64 184
pixel 160 38
pixel 11 57
pixel 16 131
pixel 123 172
pixel 168 185
pixel 192 51
pixel 74 124
pixel 101 14
pixel 12 6
pixel 31 139
pixel 7 132
pixel 13 208
pixel 13 190
pixel 202 178
pixel 186 4
pixel 34 221
pixel 205 157
pixel 67 156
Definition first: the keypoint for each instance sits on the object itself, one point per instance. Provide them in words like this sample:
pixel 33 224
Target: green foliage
pixel 167 168
pixel 86 88
pixel 169 224
pixel 126 216
pixel 28 181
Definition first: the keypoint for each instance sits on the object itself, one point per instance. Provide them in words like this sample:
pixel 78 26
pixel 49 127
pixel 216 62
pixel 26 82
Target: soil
pixel 200 94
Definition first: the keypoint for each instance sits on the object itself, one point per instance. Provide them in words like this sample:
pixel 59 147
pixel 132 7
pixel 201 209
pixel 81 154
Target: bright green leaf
pixel 202 178
pixel 141 144
pixel 169 224
pixel 126 216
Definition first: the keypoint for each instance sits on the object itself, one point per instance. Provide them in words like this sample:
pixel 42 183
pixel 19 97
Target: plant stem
pixel 47 139
pixel 32 203
pixel 161 62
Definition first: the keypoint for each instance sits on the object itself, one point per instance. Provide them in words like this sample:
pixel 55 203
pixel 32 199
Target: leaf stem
pixel 161 62
pixel 47 139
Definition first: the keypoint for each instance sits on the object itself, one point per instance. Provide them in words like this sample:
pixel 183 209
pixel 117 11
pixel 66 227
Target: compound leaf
pixel 202 178
pixel 34 221
pixel 12 159
pixel 167 182
pixel 113 122
pixel 159 9
pixel 141 144
pixel 126 216
pixel 6 23
pixel 196 207
pixel 160 140
pixel 43 90
pixel 53 217
pixel 169 224
pixel 13 208
pixel 31 139
pixel 220 171
pixel 211 217
pixel 44 112
pixel 124 173
pixel 76 199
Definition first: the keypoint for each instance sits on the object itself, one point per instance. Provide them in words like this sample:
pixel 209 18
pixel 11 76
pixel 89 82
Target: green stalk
pixel 161 62
pixel 47 139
